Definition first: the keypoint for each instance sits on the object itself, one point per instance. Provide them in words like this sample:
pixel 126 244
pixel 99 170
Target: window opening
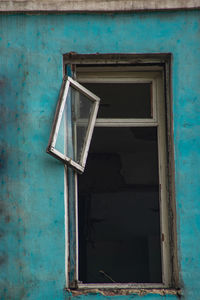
pixel 121 216
pixel 120 204
pixel 119 223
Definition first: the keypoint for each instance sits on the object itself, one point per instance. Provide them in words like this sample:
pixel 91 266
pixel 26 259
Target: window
pixel 73 124
pixel 121 209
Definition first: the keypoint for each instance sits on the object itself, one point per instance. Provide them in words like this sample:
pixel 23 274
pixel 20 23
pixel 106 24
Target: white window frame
pixel 157 76
pixel 62 102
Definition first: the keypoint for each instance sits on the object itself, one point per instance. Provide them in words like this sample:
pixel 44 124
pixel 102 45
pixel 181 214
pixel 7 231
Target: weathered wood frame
pixel 145 64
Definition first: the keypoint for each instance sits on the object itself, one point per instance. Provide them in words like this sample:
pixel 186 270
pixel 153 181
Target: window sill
pixel 125 291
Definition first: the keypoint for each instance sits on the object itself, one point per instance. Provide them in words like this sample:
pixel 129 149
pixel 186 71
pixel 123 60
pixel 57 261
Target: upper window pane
pixel 123 100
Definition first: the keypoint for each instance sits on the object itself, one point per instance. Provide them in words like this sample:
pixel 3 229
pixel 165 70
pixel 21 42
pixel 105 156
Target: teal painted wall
pixel 32 248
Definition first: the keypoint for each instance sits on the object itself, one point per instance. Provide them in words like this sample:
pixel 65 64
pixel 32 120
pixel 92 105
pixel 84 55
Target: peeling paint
pixel 125 292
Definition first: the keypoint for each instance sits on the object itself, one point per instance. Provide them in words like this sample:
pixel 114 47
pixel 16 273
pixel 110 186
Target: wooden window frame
pixel 67 158
pixel 142 72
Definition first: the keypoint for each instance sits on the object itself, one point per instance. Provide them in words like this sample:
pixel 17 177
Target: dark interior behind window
pixel 119 223
pixel 123 100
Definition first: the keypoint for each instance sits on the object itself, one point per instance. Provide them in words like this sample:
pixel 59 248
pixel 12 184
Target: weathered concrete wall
pixel 96 5
pixel 32 183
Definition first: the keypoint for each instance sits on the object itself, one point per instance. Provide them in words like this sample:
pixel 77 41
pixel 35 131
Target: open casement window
pixel 73 124
pixel 119 226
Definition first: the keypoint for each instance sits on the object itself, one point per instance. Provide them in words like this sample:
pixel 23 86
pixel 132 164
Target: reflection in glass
pixel 74 125
pixel 61 140
pixel 81 113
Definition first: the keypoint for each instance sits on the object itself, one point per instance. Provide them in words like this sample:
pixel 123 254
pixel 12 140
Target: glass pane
pixel 123 100
pixel 74 125
pixel 61 137
pixel 119 219
pixel 81 113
